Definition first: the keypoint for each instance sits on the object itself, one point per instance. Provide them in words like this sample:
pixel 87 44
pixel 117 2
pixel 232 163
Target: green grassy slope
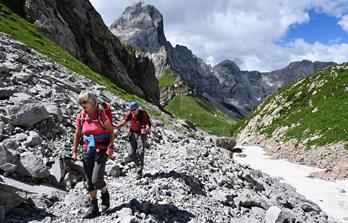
pixel 168 78
pixel 315 109
pixel 201 112
pixel 27 33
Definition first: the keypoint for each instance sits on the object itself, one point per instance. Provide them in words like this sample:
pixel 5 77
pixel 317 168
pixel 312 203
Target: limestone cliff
pixel 78 28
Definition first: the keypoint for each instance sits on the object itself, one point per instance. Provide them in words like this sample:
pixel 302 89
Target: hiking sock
pixel 93 210
pixel 105 197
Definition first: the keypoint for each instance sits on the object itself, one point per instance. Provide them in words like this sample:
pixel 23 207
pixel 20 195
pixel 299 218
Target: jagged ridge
pixel 233 91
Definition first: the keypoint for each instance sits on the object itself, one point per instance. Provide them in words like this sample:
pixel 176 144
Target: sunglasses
pixel 83 102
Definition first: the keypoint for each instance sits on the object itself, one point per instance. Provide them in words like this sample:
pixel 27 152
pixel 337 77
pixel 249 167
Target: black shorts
pixel 94 168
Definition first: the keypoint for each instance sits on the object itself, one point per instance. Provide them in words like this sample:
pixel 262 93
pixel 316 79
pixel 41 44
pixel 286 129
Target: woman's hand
pixel 74 156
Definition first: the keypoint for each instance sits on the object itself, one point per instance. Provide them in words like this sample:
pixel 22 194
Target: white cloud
pixel 295 51
pixel 318 52
pixel 344 23
pixel 246 31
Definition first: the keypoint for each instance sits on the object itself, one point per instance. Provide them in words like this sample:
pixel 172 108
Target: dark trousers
pixel 94 168
pixel 136 149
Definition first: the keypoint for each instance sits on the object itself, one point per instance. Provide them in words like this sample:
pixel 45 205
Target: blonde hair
pixel 88 97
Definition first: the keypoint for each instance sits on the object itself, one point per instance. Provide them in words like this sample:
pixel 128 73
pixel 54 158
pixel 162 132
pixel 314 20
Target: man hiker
pixel 139 127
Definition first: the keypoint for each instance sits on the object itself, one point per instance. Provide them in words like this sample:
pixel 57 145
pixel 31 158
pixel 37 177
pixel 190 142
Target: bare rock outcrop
pixel 78 28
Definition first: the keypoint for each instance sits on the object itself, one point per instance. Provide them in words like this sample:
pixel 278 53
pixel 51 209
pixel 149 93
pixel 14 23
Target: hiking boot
pixel 105 197
pixel 139 174
pixel 93 210
pixel 127 159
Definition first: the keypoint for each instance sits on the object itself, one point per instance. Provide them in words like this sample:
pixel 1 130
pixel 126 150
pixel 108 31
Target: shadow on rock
pixel 24 213
pixel 236 150
pixel 159 212
pixel 196 187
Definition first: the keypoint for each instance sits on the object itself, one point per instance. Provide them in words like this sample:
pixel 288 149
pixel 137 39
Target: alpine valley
pixel 51 50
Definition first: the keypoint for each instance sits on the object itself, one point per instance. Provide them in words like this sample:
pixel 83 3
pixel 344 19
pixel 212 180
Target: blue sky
pixel 321 28
pixel 261 35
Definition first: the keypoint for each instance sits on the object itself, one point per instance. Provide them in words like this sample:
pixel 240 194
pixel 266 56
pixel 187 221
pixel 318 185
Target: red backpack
pixel 107 108
pixel 103 106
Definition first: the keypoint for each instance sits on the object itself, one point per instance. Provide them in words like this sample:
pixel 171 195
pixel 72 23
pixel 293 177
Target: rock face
pixel 195 72
pixel 186 178
pixel 78 28
pixel 142 26
pixel 247 89
pixel 293 72
pixel 233 91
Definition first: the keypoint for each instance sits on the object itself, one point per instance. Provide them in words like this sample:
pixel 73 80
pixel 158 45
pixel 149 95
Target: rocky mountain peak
pixel 141 25
pixel 302 62
pixel 140 2
pixel 294 71
pixel 299 64
pixel 306 64
pixel 228 64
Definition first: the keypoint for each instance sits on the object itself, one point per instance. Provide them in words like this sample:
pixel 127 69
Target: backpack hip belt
pixel 91 140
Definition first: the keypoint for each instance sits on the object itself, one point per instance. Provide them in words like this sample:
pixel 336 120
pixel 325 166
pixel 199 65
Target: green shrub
pixel 168 78
pixel 132 50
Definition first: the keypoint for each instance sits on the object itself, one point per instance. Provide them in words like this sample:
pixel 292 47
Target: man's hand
pixel 145 130
pixel 110 150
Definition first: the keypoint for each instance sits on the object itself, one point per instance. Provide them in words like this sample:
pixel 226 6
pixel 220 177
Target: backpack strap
pixel 100 110
pixel 128 116
pixel 82 118
pixel 83 114
pixel 140 117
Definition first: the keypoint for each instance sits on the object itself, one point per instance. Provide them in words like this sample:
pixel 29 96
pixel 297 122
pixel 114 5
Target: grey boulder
pixel 226 143
pixel 27 115
pixel 8 162
pixel 35 166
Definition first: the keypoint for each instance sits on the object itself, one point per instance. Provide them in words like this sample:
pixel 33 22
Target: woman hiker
pixel 94 131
